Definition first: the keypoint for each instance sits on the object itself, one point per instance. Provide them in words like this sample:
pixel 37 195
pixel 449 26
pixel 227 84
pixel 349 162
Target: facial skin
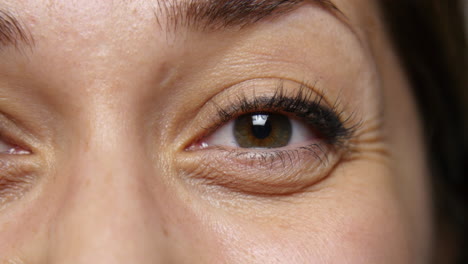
pixel 111 104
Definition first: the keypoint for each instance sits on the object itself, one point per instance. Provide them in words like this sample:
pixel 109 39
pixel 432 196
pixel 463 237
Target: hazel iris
pixel 262 130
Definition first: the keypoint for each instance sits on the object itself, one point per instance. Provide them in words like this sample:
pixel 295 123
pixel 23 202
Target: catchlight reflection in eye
pixel 261 130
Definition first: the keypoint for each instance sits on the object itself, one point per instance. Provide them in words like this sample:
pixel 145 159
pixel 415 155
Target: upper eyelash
pixel 305 104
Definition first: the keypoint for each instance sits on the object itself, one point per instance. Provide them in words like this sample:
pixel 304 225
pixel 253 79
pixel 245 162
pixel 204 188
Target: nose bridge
pixel 108 213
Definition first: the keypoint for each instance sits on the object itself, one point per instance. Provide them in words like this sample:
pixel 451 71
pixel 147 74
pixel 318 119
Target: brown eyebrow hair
pixel 12 31
pixel 196 14
pixel 220 14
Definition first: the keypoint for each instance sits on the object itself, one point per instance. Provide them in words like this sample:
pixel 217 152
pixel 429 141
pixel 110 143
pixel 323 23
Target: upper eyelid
pixel 335 132
pixel 206 116
pixel 260 101
pixel 303 101
pixel 12 132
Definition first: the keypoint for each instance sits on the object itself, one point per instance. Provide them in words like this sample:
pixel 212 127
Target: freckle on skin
pixel 165 232
pixel 87 182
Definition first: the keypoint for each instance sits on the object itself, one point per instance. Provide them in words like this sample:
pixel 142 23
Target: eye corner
pixel 14 147
pixel 197 146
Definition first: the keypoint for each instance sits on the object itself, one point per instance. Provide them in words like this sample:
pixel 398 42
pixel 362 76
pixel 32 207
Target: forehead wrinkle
pixel 212 15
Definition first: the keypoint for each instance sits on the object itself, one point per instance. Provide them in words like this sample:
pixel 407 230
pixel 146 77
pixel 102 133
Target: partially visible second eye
pixel 6 148
pixel 261 130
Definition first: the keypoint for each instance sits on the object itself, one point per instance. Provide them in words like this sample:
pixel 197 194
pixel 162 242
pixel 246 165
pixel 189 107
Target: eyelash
pixel 305 105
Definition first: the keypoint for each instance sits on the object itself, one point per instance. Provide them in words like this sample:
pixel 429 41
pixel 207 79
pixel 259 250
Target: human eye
pixel 11 149
pixel 277 122
pixel 273 141
pixel 13 140
pixel 261 130
pixel 18 164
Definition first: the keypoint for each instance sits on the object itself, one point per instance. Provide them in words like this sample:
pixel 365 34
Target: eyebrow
pixel 221 14
pixel 12 32
pixel 196 14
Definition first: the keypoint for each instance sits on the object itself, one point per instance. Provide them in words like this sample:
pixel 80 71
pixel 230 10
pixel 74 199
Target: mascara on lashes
pixel 305 105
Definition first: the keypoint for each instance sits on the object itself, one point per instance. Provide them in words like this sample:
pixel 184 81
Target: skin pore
pixel 116 106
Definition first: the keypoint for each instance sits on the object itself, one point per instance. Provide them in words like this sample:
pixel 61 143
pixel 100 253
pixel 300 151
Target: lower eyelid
pixel 12 188
pixel 259 172
pixel 18 174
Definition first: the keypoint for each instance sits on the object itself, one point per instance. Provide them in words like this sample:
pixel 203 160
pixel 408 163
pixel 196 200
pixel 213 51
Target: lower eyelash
pixel 260 171
pixel 270 158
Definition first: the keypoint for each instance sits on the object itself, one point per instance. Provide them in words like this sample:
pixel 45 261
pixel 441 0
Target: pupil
pixel 262 130
pixel 261 126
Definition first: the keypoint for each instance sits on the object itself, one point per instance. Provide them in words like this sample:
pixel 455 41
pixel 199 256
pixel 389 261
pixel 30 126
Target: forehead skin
pixel 106 94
